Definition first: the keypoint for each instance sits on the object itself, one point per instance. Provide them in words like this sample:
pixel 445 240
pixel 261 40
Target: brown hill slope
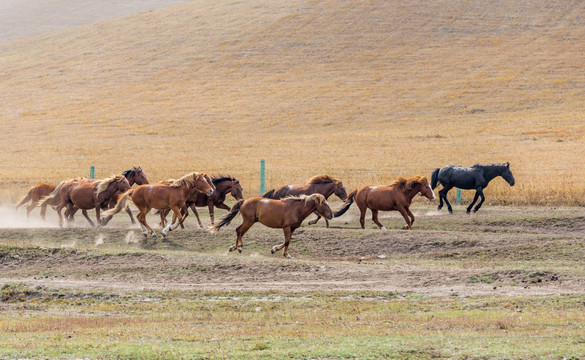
pixel 363 90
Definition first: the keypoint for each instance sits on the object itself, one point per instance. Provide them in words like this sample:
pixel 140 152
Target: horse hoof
pixel 272 251
pixel 201 227
pixel 240 250
pixel 231 249
pixel 287 256
pixel 155 236
pixel 145 235
pixel 468 212
pixel 383 228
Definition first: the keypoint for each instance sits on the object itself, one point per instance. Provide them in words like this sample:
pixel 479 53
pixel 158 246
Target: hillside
pixel 363 90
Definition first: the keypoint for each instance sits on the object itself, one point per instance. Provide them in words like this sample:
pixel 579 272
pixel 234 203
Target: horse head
pixel 135 176
pixel 423 185
pixel 203 183
pixel 321 206
pixel 339 190
pixel 237 192
pixel 507 174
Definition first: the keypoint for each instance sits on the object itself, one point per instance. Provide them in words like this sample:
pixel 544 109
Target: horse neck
pixel 307 208
pixel 223 188
pixel 131 180
pixel 325 189
pixel 410 193
pixel 490 172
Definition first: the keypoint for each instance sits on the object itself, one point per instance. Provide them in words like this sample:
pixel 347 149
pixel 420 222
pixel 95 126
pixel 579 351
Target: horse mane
pixel 305 198
pixel 187 180
pixel 216 179
pixel 407 183
pixel 103 184
pixel 322 179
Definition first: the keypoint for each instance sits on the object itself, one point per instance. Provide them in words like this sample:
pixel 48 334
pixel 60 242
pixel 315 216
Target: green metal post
pixel 458 196
pixel 91 172
pixel 262 178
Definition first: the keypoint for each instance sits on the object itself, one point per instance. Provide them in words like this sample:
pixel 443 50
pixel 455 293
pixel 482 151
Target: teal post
pixel 262 178
pixel 458 196
pixel 91 172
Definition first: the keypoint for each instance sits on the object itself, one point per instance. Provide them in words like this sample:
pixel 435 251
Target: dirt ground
pixel 499 251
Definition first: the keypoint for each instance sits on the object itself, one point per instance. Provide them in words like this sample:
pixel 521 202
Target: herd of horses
pixel 285 207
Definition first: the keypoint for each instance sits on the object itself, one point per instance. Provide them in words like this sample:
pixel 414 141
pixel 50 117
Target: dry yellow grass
pixel 364 90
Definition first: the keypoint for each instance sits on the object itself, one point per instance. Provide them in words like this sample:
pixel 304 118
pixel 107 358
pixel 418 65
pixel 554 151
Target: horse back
pixel 460 176
pixel 158 196
pixel 273 213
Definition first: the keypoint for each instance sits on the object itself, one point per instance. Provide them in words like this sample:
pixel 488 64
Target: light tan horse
pixel 396 196
pixel 160 196
pixel 35 194
pixel 286 214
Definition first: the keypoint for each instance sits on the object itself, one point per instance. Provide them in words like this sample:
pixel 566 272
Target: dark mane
pixel 322 179
pixel 216 179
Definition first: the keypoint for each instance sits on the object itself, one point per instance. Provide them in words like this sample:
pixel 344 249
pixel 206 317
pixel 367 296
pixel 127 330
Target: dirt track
pixel 499 251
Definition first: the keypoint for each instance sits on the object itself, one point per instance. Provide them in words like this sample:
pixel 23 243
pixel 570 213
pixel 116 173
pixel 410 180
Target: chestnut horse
pixel 41 190
pixel 396 196
pixel 223 186
pixel 286 214
pixel 35 194
pixel 319 184
pixel 171 195
pixel 85 194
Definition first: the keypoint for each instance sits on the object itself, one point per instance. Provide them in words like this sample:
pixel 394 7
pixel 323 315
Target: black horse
pixel 475 177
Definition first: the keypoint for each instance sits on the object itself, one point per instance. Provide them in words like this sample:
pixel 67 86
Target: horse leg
pixel 210 206
pixel 473 202
pixel 444 192
pixel 142 220
pixel 404 214
pixel 411 217
pixel 129 212
pixel 163 217
pixel 287 235
pixel 177 220
pixel 240 231
pixel 59 209
pixel 185 213
pixel 31 207
pixel 84 212
pixel 481 201
pixel 97 215
pixel 194 209
pixel 375 219
pixel 314 221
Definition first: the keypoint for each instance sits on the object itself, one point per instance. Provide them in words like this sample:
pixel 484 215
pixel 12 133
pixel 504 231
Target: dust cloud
pixel 11 218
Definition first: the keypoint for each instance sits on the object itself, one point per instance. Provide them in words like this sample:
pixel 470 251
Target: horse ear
pixel 508 165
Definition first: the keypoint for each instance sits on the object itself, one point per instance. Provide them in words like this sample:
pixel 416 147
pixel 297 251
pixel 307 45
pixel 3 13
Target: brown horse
pixel 319 184
pixel 223 186
pixel 396 196
pixel 286 214
pixel 162 196
pixel 85 194
pixel 35 194
pixel 41 190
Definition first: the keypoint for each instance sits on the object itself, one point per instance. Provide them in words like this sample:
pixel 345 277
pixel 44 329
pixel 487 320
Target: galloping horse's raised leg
pixel 287 236
pixel 375 219
pixel 314 221
pixel 478 192
pixel 404 214
pixel 174 223
pixel 240 231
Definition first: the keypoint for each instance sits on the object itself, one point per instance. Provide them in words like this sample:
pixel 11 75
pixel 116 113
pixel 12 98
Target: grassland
pixel 365 91
pixel 504 283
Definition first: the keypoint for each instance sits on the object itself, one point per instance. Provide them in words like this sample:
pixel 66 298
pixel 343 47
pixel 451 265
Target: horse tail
pixel 25 199
pixel 228 218
pixel 44 201
pixel 121 204
pixel 269 194
pixel 347 204
pixel 435 178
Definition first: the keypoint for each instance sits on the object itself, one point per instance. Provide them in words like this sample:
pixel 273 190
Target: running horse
pixel 35 194
pixel 474 177
pixel 286 214
pixel 86 194
pixel 319 184
pixel 223 185
pixel 166 195
pixel 42 190
pixel 396 196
